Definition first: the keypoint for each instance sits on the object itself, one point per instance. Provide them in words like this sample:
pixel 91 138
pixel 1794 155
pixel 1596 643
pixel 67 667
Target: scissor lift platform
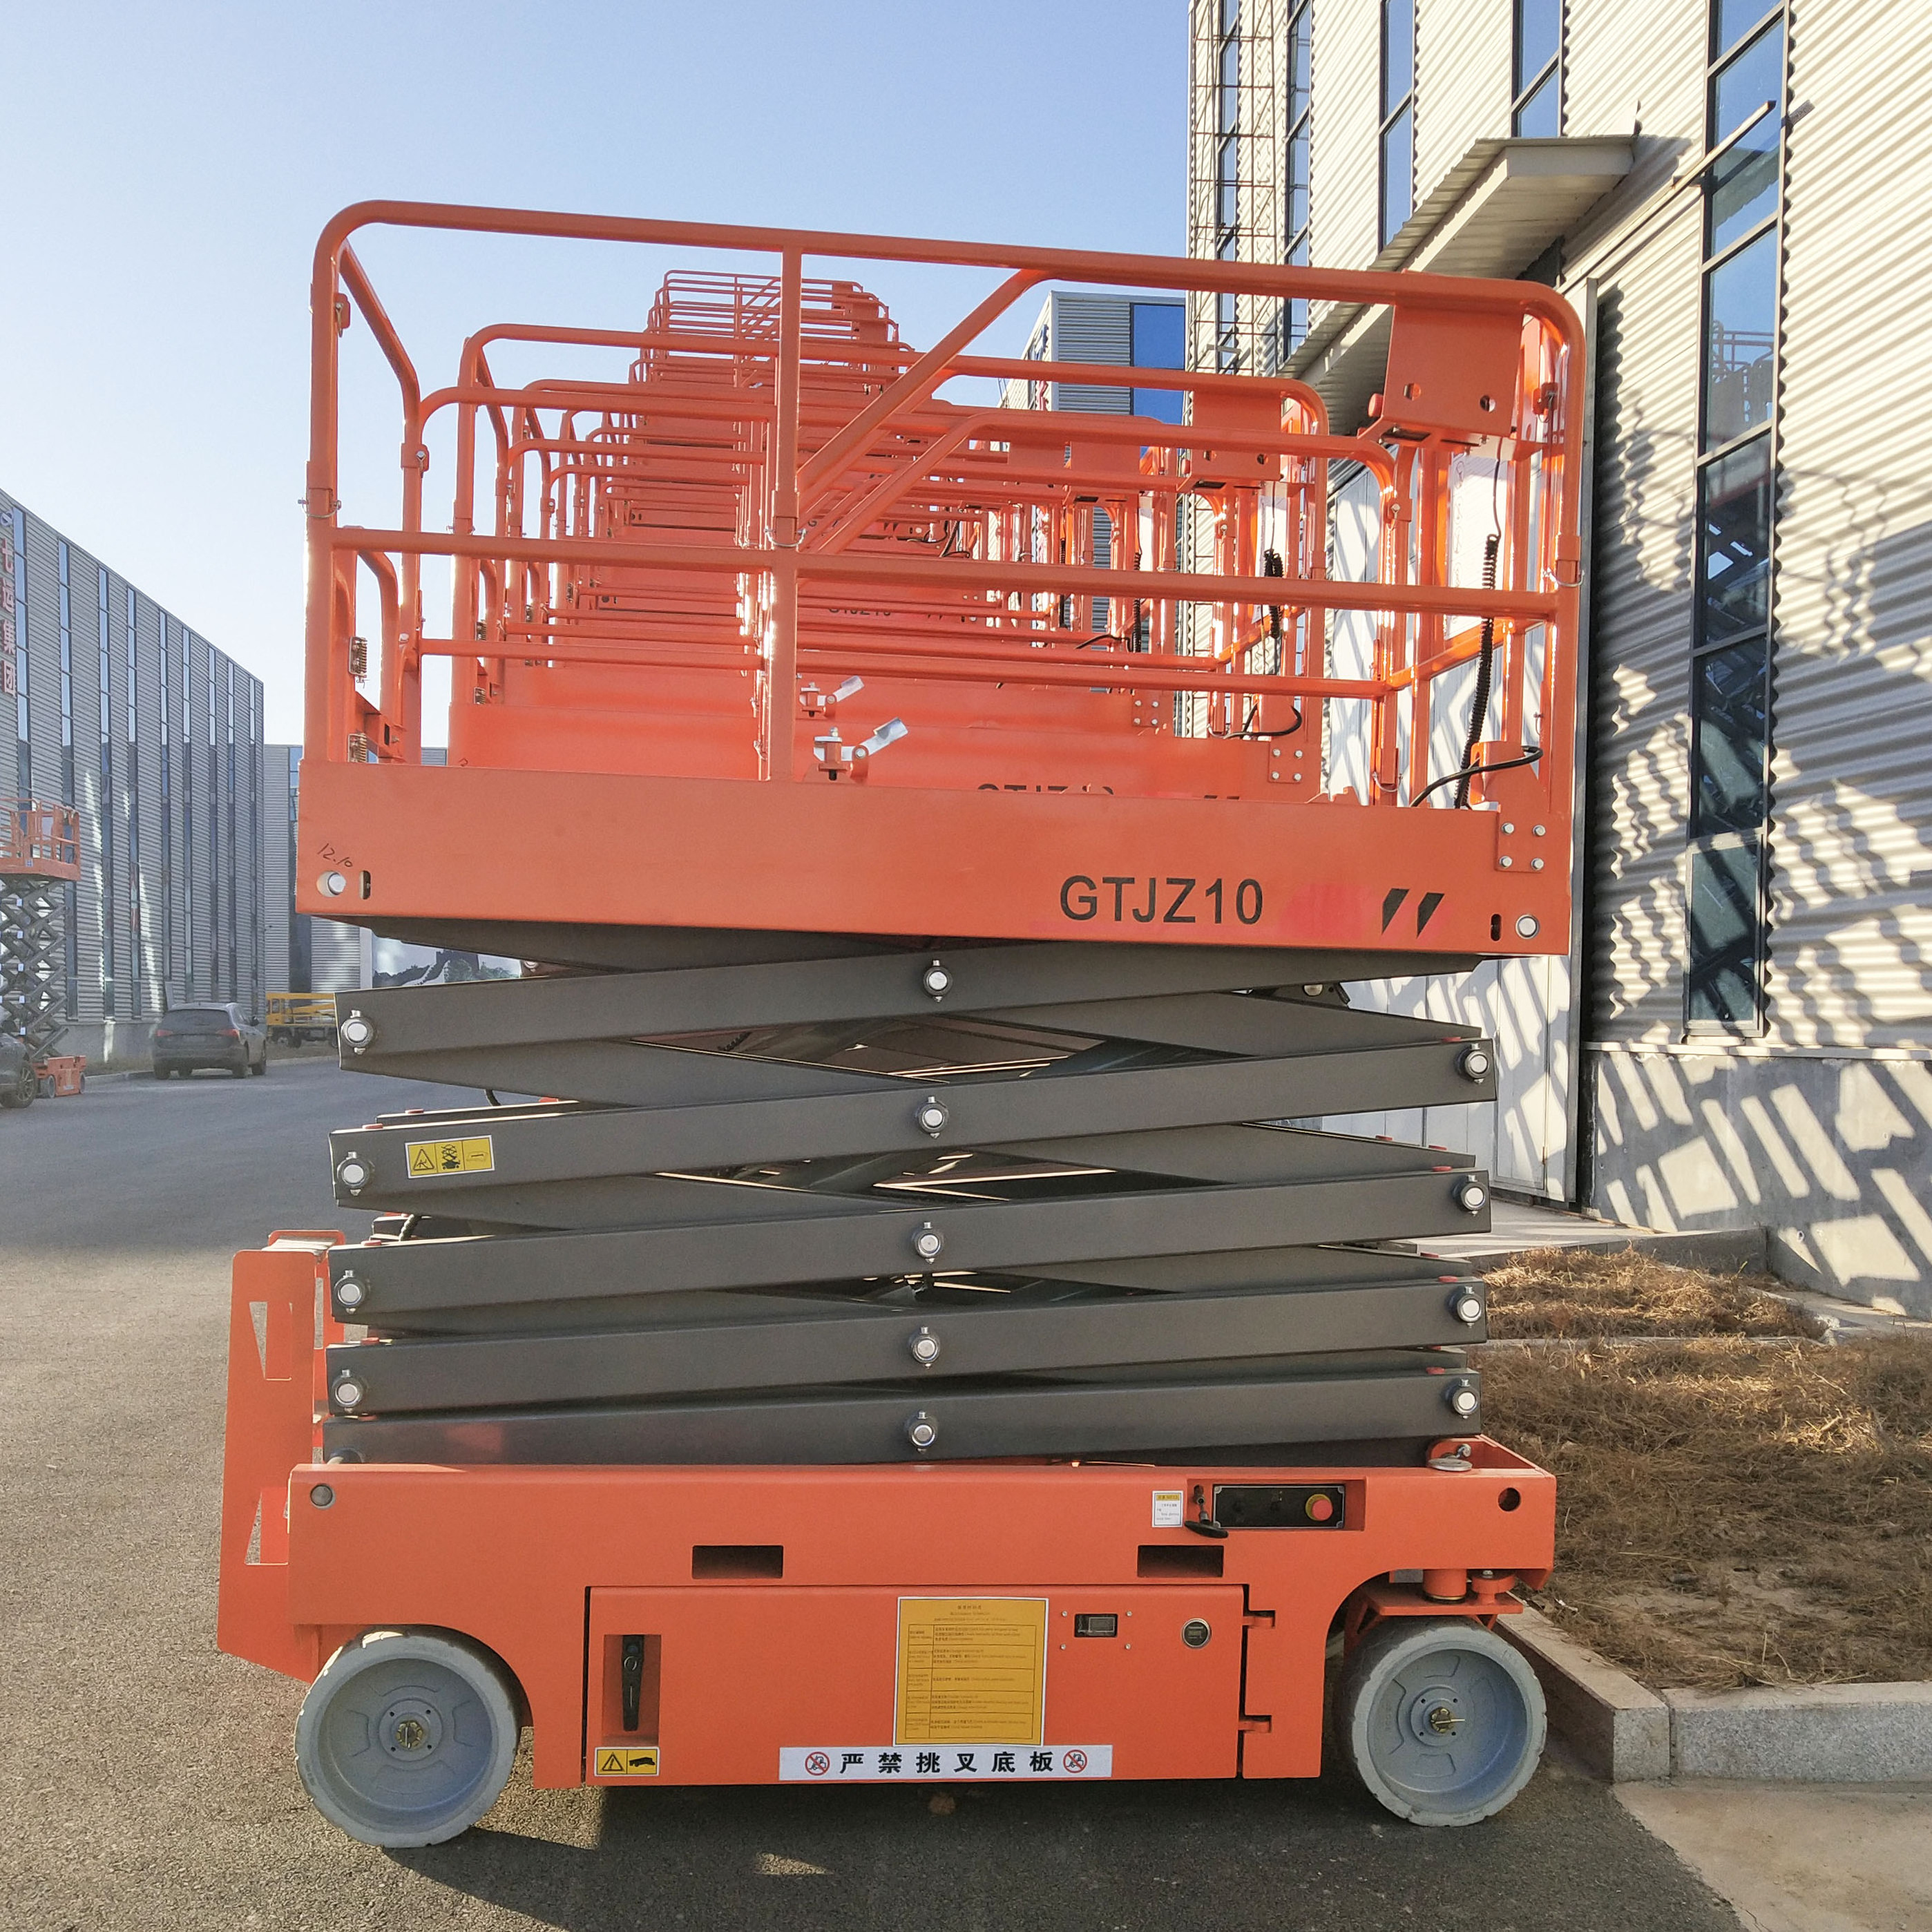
pixel 900 1230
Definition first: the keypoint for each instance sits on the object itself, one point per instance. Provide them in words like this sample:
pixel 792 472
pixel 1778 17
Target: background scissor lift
pixel 926 1247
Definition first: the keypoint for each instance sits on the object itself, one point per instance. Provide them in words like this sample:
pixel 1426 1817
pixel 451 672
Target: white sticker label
pixel 1167 1509
pixel 827 1764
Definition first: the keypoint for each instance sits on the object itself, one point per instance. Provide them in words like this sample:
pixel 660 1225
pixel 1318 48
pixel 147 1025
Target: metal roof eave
pixel 1492 214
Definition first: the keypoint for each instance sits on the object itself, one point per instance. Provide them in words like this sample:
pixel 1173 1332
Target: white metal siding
pixel 1091 329
pixel 1851 932
pixel 1345 104
pixel 1462 75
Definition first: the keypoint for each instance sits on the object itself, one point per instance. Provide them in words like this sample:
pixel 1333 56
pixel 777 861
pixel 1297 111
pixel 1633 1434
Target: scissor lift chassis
pixel 768 1594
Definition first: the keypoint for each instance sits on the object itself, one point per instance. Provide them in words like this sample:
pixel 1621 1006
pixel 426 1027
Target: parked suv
pixel 18 1083
pixel 186 1037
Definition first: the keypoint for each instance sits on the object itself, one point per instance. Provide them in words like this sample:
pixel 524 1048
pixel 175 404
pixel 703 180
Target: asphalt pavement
pixel 146 1781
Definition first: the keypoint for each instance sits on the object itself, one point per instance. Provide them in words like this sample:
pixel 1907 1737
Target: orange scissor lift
pixel 923 1332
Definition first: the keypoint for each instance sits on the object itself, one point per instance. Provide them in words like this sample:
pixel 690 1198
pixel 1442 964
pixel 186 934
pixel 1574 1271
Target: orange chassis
pixel 772 1593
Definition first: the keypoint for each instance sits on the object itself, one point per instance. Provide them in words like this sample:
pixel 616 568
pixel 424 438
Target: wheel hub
pixel 1435 1716
pixel 410 1729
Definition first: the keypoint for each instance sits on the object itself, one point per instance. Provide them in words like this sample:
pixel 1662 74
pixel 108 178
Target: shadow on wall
pixel 1832 1153
pixel 1832 1157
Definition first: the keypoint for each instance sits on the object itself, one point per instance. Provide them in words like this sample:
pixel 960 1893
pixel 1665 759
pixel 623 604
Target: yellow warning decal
pixel 433 1157
pixel 971 1669
pixel 628 1761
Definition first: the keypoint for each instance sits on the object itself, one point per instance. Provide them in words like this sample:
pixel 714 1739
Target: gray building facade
pixel 1743 1036
pixel 119 709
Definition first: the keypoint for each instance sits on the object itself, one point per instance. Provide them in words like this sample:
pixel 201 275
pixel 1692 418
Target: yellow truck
pixel 295 1018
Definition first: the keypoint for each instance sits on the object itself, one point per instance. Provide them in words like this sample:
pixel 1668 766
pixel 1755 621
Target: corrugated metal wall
pixel 1462 77
pixel 1642 64
pixel 1851 937
pixel 1345 89
pixel 1091 329
pixel 277 884
pixel 122 861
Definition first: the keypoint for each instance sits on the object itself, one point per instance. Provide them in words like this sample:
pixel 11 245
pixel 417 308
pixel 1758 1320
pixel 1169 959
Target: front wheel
pixel 407 1737
pixel 23 1089
pixel 1442 1720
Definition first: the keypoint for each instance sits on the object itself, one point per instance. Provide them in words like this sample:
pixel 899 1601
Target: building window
pixel 1398 116
pixel 1536 109
pixel 131 810
pixel 73 892
pixel 165 776
pixel 23 715
pixel 1731 679
pixel 1227 173
pixel 1297 57
pixel 105 813
pixel 1158 340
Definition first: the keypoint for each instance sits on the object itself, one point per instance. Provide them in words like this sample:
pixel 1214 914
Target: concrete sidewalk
pixel 1801 1857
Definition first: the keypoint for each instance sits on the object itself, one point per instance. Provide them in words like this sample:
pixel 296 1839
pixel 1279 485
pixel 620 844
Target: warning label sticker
pixel 971 1668
pixel 1167 1512
pixel 432 1157
pixel 828 1763
pixel 627 1761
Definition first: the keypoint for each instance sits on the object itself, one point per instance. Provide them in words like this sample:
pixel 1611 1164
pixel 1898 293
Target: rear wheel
pixel 261 1067
pixel 1442 1720
pixel 407 1737
pixel 20 1093
pixel 162 1072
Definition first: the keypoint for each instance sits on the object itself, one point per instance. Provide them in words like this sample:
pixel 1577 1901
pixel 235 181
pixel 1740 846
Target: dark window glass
pixel 1722 912
pixel 1398 174
pixel 1159 335
pixel 1539 30
pixel 1743 182
pixel 1540 117
pixel 1398 53
pixel 1297 216
pixel 1734 528
pixel 1228 185
pixel 1732 723
pixel 1740 337
pixel 1230 108
pixel 1733 19
pixel 1159 331
pixel 1299 39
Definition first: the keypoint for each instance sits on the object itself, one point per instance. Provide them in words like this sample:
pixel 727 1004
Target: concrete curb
pixel 1620 1730
pixel 1812 1734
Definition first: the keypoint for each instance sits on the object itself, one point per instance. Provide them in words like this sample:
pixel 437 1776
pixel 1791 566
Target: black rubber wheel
pixel 162 1072
pixel 261 1067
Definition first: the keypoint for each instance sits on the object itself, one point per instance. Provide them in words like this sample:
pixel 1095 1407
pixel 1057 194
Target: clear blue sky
pixel 167 169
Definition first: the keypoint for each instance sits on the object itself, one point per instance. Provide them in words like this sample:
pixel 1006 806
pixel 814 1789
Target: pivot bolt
pixel 1474 1063
pixel 348 1393
pixel 1527 926
pixel 1314 992
pixel 331 885
pixel 936 980
pixel 352 1173
pixel 349 1292
pixel 927 1242
pixel 358 1032
pixel 322 1496
pixel 1472 1197
pixel 924 1347
pixel 1466 1305
pixel 932 1117
pixel 922 1431
pixel 1462 1399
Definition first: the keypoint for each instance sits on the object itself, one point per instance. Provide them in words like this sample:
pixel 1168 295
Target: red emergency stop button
pixel 1319 1508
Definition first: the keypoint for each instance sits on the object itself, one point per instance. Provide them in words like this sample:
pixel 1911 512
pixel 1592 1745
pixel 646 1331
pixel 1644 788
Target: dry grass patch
pixel 1735 1510
pixel 1586 1292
